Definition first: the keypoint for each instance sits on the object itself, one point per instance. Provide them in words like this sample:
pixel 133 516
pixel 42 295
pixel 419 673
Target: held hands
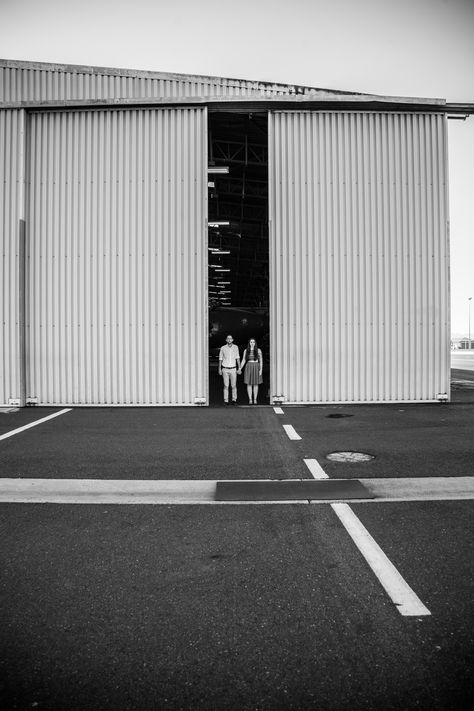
pixel 239 372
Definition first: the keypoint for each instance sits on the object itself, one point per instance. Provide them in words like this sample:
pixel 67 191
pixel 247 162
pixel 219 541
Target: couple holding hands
pixel 230 367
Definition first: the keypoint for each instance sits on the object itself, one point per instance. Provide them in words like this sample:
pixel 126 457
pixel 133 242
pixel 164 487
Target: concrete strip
pixel 116 491
pixel 113 491
pixel 421 488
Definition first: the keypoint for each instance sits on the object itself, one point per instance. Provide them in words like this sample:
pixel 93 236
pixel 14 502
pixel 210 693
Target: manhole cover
pixel 350 457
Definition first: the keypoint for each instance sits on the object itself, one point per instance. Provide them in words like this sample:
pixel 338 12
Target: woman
pixel 253 362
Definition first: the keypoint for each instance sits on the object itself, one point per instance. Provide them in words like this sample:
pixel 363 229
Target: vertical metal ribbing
pixel 49 83
pixel 359 256
pixel 12 215
pixel 117 241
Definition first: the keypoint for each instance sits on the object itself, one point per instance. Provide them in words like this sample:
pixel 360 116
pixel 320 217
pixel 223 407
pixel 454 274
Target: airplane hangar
pixel 136 204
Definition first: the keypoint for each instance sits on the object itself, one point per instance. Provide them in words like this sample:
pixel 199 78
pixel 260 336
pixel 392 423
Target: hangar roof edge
pixel 278 87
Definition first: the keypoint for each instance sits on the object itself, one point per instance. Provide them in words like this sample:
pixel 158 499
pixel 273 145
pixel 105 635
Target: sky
pixel 417 48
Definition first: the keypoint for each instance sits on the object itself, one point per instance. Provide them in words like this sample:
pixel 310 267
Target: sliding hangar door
pixel 116 268
pixel 108 302
pixel 359 291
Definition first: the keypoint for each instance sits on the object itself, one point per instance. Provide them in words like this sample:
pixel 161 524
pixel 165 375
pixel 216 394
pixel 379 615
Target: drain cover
pixel 337 415
pixel 350 457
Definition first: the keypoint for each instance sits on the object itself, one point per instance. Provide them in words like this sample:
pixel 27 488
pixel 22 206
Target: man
pixel 229 368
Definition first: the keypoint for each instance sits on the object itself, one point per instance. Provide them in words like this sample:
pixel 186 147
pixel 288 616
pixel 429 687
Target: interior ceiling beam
pixel 243 188
pixel 260 260
pixel 241 153
pixel 241 212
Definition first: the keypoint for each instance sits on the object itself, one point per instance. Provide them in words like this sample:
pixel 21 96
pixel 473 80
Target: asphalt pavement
pixel 246 606
pixel 238 443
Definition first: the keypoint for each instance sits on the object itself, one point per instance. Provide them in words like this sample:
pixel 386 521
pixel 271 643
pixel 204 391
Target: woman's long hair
pixel 256 348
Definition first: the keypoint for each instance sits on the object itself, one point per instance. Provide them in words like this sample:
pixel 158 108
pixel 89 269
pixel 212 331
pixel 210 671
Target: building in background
pixel 133 201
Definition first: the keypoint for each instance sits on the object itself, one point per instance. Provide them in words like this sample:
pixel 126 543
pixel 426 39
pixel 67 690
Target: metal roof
pixel 46 85
pixel 178 82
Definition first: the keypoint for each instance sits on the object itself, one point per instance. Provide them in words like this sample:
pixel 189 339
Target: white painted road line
pixel 407 602
pixel 315 468
pixel 278 411
pixel 33 424
pixel 291 432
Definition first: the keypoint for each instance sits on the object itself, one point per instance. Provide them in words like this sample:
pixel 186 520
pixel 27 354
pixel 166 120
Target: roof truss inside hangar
pixel 239 198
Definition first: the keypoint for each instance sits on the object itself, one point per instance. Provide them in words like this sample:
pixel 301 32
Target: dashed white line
pixel 33 424
pixel 407 602
pixel 315 468
pixel 291 432
pixel 278 411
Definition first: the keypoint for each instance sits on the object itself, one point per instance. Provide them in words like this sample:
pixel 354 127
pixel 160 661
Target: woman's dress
pixel 252 370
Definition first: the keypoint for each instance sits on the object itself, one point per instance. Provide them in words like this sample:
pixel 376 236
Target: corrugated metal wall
pixel 359 256
pixel 117 290
pixel 20 82
pixel 12 210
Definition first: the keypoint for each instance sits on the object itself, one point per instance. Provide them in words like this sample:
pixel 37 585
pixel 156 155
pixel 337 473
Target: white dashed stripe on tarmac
pixel 278 411
pixel 33 424
pixel 407 602
pixel 291 432
pixel 316 469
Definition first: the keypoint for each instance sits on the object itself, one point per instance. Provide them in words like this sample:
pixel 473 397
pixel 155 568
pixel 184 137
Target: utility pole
pixel 469 302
